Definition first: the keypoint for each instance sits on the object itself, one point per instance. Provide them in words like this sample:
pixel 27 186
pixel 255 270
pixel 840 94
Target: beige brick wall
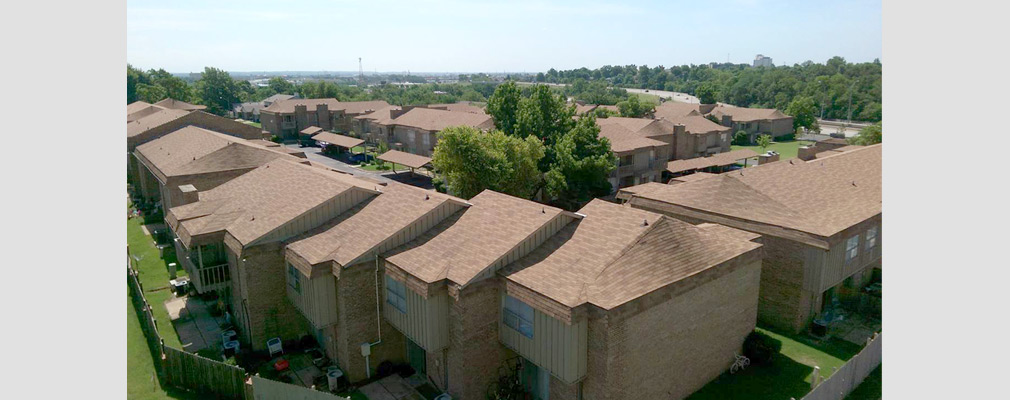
pixel 260 296
pixel 356 315
pixel 671 349
pixel 474 353
pixel 784 304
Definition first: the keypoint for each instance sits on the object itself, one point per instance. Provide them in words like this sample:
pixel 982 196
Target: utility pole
pixel 853 85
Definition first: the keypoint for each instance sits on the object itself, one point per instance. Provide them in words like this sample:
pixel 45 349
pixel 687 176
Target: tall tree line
pixel 828 85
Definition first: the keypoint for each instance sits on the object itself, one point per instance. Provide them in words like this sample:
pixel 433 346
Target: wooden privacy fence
pixel 850 375
pixel 203 375
pixel 147 322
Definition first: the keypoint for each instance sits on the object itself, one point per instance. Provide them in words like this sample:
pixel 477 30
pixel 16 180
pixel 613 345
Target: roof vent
pixel 426 197
pixel 853 183
pixel 645 222
pixel 543 210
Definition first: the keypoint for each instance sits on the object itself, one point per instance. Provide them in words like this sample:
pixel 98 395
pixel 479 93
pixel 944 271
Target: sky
pixel 492 36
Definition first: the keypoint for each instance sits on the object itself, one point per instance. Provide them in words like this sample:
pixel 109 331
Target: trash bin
pixel 819 328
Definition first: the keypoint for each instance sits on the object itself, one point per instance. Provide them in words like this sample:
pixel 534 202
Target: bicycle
pixel 740 363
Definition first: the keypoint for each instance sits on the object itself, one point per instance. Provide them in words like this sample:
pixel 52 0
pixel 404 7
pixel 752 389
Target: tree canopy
pixel 868 136
pixel 217 90
pixel 828 84
pixel 635 108
pixel 582 162
pixel 472 161
pixel 803 109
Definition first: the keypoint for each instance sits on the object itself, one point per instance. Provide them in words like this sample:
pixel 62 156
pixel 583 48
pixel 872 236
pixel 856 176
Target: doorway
pixel 416 357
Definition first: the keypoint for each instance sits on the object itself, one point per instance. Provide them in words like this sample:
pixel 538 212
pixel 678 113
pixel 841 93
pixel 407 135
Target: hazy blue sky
pixel 465 36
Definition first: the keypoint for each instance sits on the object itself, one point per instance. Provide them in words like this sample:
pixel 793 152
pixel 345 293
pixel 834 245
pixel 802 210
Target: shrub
pixel 275 139
pixel 740 138
pixel 786 138
pixel 761 348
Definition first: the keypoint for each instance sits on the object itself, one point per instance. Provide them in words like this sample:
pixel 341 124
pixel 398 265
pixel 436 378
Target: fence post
pixel 815 380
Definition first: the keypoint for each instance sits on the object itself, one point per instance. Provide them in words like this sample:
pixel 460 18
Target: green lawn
pixel 787 376
pixel 871 388
pixel 153 274
pixel 786 150
pixel 646 98
pixel 141 379
pixel 256 124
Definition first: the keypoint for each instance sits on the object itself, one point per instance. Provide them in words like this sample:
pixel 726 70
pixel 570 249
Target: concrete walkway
pixel 191 318
pixel 392 387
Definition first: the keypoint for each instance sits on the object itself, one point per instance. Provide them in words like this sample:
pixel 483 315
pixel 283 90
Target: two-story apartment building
pixel 285 118
pixel 413 129
pixel 642 146
pixel 140 109
pixel 441 290
pixel 242 227
pixel 629 304
pixel 820 221
pixel 165 121
pixel 754 121
pixel 199 157
pixel 700 137
pixel 250 111
pixel 333 273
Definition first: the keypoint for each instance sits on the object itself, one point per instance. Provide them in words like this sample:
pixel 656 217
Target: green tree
pixel 471 161
pixel 134 78
pixel 217 90
pixel 280 85
pixel 740 138
pixel 503 106
pixel 150 93
pixel 764 141
pixel 868 136
pixel 706 93
pixel 175 87
pixel 545 116
pixel 583 161
pixel 634 108
pixel 804 112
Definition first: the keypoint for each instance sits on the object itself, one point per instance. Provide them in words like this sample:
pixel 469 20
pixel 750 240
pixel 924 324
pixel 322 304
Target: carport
pixel 412 161
pixel 338 140
pixel 714 163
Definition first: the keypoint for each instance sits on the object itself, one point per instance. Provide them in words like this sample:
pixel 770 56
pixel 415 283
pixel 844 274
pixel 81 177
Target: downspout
pixel 378 321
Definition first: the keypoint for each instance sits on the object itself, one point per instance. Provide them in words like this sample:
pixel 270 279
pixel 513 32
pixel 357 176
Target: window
pixel 724 137
pixel 396 294
pixel 518 315
pixel 852 248
pixel 294 278
pixel 427 140
pixel 627 160
pixel 871 238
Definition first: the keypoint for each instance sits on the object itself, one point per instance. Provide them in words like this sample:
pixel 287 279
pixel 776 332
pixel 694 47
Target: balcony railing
pixel 209 275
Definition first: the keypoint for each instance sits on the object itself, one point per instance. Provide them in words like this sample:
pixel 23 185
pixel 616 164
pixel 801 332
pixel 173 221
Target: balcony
pixel 207 270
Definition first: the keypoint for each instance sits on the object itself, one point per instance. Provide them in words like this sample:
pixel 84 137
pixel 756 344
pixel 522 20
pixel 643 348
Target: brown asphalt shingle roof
pixel 288 106
pixel 381 115
pixel 629 134
pixel 716 160
pixel 192 150
pixel 254 204
pixel 821 197
pixel 743 114
pixel 459 249
pixel 178 105
pixel 152 121
pixel 361 107
pixel 696 124
pixel 312 130
pixel 369 224
pixel 140 109
pixel 403 158
pixel 436 120
pixel 617 254
pixel 338 140
pixel 672 110
pixel 460 107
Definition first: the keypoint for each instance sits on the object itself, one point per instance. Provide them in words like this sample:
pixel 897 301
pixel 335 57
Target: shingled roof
pixel 672 110
pixel 153 120
pixel 743 114
pixel 630 134
pixel 192 150
pixel 254 204
pixel 616 254
pixel 140 109
pixel 460 249
pixel 696 124
pixel 288 106
pixel 358 231
pixel 821 197
pixel 178 105
pixel 436 120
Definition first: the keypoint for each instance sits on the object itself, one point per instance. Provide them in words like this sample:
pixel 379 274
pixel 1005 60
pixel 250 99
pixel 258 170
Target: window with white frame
pixel 518 315
pixel 852 248
pixel 294 278
pixel 396 294
pixel 871 238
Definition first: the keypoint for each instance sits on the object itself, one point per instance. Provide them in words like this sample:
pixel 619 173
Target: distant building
pixel 762 61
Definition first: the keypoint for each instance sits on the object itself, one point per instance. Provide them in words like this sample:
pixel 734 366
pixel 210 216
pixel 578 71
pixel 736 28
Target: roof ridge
pixel 624 250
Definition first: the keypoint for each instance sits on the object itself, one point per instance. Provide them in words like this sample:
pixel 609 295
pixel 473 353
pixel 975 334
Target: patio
pixel 198 329
pixel 392 387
